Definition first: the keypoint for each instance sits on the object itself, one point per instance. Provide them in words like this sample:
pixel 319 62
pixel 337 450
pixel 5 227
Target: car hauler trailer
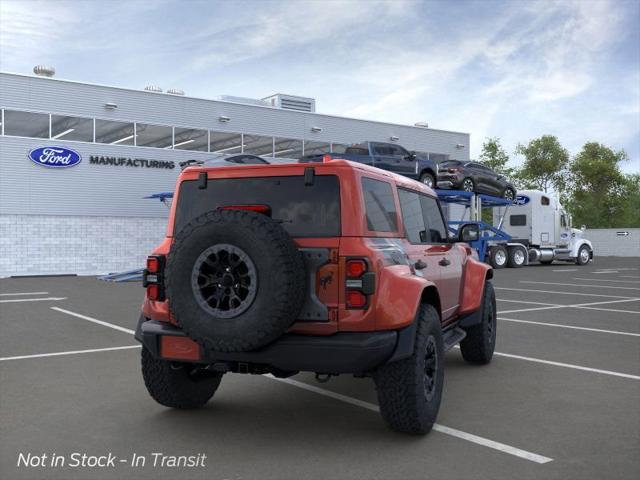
pixel 541 223
pixel 533 228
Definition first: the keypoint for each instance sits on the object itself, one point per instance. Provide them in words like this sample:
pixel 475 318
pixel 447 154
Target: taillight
pixel 265 209
pixel 355 268
pixel 153 277
pixel 326 158
pixel 360 283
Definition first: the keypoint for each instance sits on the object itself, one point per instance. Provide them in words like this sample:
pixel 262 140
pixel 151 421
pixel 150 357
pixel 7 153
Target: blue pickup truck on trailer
pixel 387 156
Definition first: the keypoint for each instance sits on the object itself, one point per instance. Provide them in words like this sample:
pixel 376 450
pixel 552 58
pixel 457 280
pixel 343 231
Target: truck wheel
pixel 517 257
pixel 498 256
pixel 583 255
pixel 428 180
pixel 478 345
pixel 177 385
pixel 409 390
pixel 235 280
pixel 468 185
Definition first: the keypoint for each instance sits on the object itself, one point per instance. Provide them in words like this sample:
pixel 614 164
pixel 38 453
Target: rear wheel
pixel 178 385
pixel 498 257
pixel 468 185
pixel 509 194
pixel 517 257
pixel 410 390
pixel 428 180
pixel 583 255
pixel 479 344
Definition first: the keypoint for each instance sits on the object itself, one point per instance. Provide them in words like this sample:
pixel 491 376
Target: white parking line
pixel 611 310
pixel 526 301
pixel 94 320
pixel 72 352
pixel 569 365
pixel 629 276
pixel 566 270
pixel 606 271
pixel 562 293
pixel 598 330
pixel 607 280
pixel 485 442
pixel 588 306
pixel 48 299
pixel 580 285
pixel 23 293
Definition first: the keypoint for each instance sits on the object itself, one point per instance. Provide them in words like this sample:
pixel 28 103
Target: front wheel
pixel 177 385
pixel 480 342
pixel 410 390
pixel 428 180
pixel 583 255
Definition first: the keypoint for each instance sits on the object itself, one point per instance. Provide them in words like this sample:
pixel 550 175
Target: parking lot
pixel 559 400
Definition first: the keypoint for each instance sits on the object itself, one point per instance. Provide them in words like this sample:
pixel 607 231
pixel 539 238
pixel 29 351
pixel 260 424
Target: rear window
pixel 357 151
pixel 304 210
pixel 450 163
pixel 380 206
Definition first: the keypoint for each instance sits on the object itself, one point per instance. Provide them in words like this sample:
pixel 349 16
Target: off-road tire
pixel 425 177
pixel 401 385
pixel 480 342
pixel 494 257
pixel 172 384
pixel 280 279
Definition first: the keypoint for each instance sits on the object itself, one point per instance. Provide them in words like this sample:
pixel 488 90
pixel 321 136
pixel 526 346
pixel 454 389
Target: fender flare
pixel 578 244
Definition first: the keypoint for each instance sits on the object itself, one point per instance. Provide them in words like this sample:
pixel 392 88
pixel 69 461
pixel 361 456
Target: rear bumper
pixel 344 352
pixel 449 181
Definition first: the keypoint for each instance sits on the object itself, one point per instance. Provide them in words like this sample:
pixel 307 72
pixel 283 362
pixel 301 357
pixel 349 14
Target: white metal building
pixel 91 217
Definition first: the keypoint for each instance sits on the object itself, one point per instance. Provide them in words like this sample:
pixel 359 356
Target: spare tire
pixel 235 280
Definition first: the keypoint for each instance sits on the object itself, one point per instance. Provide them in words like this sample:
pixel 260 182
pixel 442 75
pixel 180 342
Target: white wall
pixel 84 245
pixel 607 242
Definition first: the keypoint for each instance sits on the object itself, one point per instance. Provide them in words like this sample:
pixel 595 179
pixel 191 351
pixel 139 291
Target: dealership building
pixel 77 160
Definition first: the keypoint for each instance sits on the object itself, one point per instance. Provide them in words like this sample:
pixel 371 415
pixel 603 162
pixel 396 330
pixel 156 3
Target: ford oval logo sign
pixel 521 200
pixel 55 157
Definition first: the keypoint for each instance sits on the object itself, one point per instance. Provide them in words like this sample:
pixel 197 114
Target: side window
pixel 398 151
pixel 436 231
pixel 518 220
pixel 379 204
pixel 381 149
pixel 563 220
pixel 412 217
pixel 544 200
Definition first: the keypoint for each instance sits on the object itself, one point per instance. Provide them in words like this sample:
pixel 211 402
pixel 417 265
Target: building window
pixel 114 133
pixel 258 145
pixel 191 139
pixel 71 128
pixel 225 143
pixel 316 148
pixel 380 205
pixel 26 124
pixel 158 136
pixel 338 148
pixel 287 148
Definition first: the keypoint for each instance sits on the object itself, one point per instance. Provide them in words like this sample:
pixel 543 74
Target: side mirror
pixel 469 233
pixel 583 228
pixel 411 156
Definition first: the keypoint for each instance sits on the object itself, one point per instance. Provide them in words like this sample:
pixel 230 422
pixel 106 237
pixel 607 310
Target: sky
pixel 514 69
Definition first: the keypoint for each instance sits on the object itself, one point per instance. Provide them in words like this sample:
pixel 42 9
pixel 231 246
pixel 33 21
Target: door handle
pixel 419 265
pixel 444 262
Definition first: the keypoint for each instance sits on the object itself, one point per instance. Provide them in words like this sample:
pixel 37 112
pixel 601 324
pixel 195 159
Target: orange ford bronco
pixel 332 268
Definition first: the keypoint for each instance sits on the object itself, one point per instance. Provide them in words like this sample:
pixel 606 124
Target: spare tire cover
pixel 235 280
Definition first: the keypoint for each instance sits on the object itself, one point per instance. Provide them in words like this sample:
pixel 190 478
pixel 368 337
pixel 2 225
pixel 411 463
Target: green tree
pixel 495 157
pixel 600 196
pixel 545 164
pixel 630 215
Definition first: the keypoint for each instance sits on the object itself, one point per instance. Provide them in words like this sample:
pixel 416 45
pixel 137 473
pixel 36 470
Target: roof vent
pixel 175 91
pixel 292 102
pixel 44 71
pixel 153 88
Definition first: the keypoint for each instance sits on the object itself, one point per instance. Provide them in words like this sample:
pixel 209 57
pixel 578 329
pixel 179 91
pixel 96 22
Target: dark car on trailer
pixel 474 177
